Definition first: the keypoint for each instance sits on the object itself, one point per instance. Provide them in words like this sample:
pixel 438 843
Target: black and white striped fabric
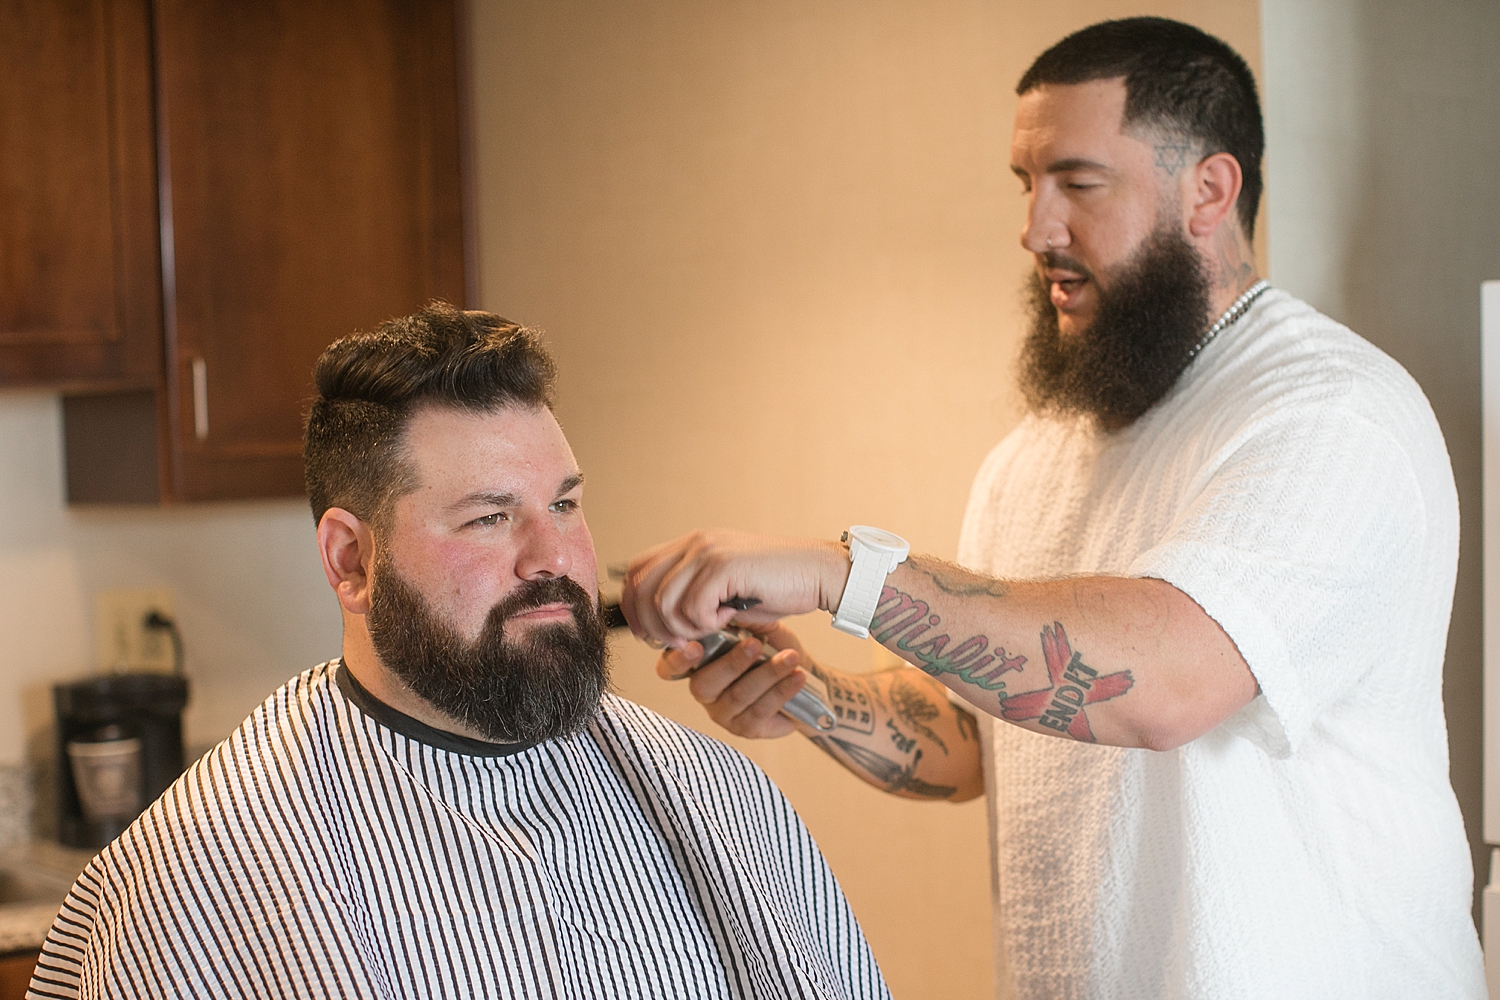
pixel 323 851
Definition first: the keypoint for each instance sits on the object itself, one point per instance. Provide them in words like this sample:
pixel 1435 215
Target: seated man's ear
pixel 347 548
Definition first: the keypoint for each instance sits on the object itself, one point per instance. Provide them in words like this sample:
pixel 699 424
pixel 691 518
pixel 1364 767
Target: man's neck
pixel 364 663
pixel 1231 268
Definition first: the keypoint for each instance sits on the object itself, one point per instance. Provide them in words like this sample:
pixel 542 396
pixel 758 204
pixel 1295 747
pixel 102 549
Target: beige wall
pixel 774 245
pixel 1385 214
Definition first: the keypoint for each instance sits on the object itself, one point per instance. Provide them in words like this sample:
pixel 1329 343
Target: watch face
pixel 877 538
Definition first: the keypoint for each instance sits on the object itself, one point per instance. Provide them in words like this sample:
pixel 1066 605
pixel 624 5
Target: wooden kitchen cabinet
pixel 80 285
pixel 307 178
pixel 15 974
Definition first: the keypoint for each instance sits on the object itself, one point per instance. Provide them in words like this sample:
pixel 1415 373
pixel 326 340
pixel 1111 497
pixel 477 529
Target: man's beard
pixel 1131 354
pixel 544 686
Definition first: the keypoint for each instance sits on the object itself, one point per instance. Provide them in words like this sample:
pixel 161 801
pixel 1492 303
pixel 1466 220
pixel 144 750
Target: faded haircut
pixel 1179 81
pixel 370 384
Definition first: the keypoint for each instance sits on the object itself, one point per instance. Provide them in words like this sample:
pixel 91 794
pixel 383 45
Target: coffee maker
pixel 120 736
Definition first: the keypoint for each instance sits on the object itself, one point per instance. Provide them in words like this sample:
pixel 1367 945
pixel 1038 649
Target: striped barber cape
pixel 334 847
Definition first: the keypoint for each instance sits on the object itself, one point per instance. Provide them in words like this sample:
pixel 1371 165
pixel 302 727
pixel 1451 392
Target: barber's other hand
pixel 679 591
pixel 743 697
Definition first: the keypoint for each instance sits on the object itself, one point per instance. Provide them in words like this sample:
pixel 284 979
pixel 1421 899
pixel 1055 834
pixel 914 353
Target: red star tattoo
pixel 1074 685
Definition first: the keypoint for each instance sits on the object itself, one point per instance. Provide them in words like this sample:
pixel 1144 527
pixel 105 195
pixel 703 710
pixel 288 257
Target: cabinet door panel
pixel 312 161
pixel 80 299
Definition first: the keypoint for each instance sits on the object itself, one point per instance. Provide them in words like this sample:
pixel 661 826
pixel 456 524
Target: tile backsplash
pixel 16 803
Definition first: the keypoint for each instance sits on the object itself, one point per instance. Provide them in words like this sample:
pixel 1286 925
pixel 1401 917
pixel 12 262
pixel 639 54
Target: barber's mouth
pixel 544 613
pixel 1066 292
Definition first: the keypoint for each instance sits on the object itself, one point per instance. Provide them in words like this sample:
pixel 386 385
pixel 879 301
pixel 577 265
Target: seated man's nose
pixel 544 554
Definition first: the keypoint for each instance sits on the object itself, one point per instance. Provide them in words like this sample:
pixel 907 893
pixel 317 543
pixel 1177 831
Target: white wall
pixel 251 599
pixel 1385 213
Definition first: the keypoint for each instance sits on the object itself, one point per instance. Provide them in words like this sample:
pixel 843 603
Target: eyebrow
pixel 1068 165
pixel 1074 163
pixel 484 498
pixel 487 498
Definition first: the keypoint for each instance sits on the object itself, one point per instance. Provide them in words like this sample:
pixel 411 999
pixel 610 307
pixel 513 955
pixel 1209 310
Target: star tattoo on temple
pixel 1074 685
pixel 1171 157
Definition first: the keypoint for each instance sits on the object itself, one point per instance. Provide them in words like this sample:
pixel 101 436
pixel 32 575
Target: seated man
pixel 456 806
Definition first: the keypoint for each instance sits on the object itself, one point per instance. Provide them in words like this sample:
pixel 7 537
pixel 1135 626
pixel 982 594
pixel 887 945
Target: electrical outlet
pixel 122 642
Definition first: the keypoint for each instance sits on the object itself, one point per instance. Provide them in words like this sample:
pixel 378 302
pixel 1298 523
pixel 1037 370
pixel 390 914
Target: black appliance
pixel 147 707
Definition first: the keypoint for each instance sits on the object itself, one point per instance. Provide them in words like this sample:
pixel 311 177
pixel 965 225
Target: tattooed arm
pixel 1126 662
pixel 896 729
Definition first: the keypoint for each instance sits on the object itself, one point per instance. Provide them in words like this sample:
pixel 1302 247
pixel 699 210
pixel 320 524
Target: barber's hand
pixel 744 698
pixel 679 591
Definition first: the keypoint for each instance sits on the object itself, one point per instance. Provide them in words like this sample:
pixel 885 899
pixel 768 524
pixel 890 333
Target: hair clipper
pixel 808 706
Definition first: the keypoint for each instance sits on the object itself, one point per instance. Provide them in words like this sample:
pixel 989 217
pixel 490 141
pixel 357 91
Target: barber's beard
pixel 543 685
pixel 1132 352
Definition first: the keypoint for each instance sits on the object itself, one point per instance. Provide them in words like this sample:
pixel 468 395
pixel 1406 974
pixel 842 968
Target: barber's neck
pixel 1230 262
pixel 375 677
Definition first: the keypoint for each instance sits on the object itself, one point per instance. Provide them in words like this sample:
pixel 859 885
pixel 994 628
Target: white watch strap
pixel 868 569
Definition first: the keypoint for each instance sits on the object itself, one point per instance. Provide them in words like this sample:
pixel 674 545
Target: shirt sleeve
pixel 1298 544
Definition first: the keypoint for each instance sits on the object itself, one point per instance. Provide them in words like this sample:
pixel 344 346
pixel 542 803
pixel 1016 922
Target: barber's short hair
pixel 370 384
pixel 1178 79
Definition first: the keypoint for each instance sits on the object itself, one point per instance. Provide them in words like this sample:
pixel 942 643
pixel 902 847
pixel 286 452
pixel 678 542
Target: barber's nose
pixel 1046 227
pixel 544 553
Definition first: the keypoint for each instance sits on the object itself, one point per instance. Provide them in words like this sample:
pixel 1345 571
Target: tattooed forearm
pixel 910 623
pixel 957 582
pixel 913 707
pixel 853 699
pixel 968 726
pixel 892 725
pixel 888 774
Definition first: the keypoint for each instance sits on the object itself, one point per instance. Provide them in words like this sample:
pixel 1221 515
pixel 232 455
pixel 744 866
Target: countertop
pixel 34 880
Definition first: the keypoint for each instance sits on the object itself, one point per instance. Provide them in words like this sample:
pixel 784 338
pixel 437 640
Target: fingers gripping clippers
pixel 808 706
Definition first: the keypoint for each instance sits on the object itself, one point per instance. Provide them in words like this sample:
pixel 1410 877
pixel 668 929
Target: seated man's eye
pixel 489 520
pixel 562 506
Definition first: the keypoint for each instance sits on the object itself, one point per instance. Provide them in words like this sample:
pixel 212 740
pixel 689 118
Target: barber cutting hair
pixel 1195 632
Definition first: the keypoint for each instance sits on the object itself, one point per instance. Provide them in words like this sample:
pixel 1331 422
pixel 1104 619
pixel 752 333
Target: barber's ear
pixel 1217 181
pixel 347 548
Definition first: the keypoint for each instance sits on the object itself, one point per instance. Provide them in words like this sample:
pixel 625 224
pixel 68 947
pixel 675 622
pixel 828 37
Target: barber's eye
pixel 563 506
pixel 489 520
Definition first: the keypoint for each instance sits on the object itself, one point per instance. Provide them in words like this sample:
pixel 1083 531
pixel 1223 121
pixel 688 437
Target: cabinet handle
pixel 200 399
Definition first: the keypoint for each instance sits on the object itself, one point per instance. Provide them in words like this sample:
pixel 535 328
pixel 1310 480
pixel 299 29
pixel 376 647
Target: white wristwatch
pixel 873 554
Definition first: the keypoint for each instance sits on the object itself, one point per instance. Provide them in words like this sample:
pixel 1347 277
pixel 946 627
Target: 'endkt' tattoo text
pixel 1074 685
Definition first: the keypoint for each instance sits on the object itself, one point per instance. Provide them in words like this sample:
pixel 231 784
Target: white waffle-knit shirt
pixel 1295 484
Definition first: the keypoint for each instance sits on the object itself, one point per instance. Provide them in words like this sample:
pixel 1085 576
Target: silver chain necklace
pixel 1234 312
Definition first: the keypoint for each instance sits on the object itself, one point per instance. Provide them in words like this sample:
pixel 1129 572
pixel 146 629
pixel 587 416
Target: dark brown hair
pixel 370 384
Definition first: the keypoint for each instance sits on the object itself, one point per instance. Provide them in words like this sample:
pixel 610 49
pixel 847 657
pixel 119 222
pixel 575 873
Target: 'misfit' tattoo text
pixel 971 661
pixel 1072 683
